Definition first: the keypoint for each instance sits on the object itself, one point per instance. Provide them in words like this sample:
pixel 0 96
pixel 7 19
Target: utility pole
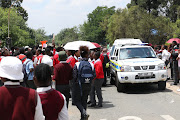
pixel 8 38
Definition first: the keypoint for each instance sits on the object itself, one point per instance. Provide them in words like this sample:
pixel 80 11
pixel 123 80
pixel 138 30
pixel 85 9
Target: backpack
pixel 25 73
pixel 85 72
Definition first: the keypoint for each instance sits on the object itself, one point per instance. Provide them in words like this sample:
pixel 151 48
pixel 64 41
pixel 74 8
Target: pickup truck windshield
pixel 131 53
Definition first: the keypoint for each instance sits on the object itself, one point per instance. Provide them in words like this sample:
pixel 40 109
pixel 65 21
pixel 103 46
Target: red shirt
pixel 55 59
pixel 62 73
pixel 99 69
pixel 71 60
pixel 22 57
pixel 101 57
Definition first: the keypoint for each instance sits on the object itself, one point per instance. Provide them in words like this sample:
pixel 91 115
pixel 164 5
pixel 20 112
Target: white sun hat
pixel 11 68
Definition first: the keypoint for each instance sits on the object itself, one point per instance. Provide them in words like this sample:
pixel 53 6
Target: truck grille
pixel 151 67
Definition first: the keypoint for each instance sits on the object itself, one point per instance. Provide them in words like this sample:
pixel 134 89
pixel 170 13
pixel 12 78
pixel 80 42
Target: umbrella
pixel 96 44
pixel 173 39
pixel 76 44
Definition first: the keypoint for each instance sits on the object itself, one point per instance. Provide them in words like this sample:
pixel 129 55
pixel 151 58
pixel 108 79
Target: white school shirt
pixel 63 114
pixel 47 60
pixel 38 112
pixel 165 55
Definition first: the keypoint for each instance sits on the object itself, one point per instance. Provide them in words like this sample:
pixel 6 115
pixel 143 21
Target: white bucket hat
pixel 11 68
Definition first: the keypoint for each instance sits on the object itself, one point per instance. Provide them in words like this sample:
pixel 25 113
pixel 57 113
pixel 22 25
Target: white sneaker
pixel 178 90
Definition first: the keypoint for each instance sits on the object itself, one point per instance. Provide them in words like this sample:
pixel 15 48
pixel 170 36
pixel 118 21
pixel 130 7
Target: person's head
pixel 21 51
pixel 33 52
pixel 77 53
pixel 165 47
pixel 42 75
pixel 62 56
pixel 104 50
pixel 174 43
pixel 84 50
pixel 47 51
pixel 69 52
pixel 96 55
pixel 29 55
pixel 11 69
pixel 91 54
pixel 38 52
pixel 6 52
pixel 59 49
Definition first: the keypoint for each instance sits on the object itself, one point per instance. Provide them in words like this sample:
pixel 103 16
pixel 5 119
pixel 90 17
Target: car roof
pixel 131 46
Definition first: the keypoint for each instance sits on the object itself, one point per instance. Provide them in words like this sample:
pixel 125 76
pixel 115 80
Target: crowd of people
pixel 171 56
pixel 27 75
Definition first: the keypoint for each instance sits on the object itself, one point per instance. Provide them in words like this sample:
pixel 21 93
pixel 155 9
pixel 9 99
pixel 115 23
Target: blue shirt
pixel 29 65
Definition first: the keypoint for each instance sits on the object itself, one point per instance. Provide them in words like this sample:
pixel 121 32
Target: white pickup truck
pixel 132 62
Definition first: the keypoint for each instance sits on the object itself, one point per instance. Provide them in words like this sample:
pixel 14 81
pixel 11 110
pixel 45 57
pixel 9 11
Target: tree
pixel 18 28
pixel 20 10
pixel 135 22
pixel 40 35
pixel 151 6
pixel 92 28
pixel 67 35
pixel 167 8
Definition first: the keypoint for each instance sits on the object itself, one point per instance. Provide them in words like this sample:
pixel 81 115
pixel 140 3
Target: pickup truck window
pixel 131 53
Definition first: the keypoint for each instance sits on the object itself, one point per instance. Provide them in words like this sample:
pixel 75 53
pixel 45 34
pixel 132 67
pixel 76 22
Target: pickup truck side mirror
pixel 114 58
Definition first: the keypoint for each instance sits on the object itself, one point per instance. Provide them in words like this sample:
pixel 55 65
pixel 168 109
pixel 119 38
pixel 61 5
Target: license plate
pixel 145 74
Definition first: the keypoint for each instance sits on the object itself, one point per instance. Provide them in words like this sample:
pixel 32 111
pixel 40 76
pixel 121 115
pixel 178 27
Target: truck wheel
pixel 162 85
pixel 112 81
pixel 121 87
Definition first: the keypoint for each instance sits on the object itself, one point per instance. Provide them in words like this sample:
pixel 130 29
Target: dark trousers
pixel 175 72
pixel 96 86
pixel 65 90
pixel 81 96
pixel 31 84
pixel 171 66
pixel 105 75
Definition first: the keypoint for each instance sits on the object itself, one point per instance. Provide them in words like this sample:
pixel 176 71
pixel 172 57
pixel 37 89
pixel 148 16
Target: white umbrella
pixel 76 44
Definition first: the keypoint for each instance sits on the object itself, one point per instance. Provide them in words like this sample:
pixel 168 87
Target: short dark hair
pixel 47 51
pixel 21 50
pixel 84 50
pixel 165 47
pixel 58 49
pixel 43 73
pixel 97 54
pixel 174 42
pixel 29 55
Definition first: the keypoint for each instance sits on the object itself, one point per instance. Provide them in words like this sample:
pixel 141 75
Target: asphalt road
pixel 139 102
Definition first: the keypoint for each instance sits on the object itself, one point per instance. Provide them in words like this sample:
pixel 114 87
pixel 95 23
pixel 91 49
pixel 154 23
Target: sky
pixel 55 15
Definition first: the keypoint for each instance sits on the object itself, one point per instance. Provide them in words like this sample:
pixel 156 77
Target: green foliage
pixel 18 28
pixel 67 35
pixel 92 29
pixel 168 8
pixel 137 23
pixel 40 35
pixel 16 4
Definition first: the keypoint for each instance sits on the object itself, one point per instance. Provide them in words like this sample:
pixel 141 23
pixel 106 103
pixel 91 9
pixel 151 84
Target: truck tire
pixel 162 85
pixel 120 86
pixel 112 80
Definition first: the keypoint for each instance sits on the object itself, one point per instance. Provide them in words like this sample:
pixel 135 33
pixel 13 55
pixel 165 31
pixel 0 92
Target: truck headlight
pixel 126 68
pixel 162 66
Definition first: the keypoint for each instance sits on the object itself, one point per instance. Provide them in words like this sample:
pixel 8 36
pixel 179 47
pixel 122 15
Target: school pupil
pixel 16 101
pixel 83 73
pixel 53 102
